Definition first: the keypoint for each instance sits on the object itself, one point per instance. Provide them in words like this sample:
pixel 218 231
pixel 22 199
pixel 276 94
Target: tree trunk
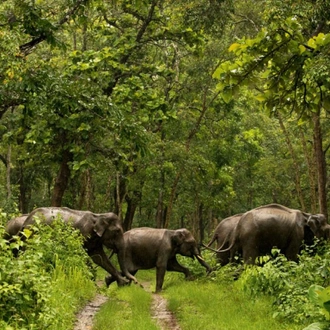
pixel 132 204
pixel 62 179
pixel 201 224
pixel 22 200
pixel 321 163
pixel 160 204
pixel 295 162
pixel 120 193
pixel 310 159
pixel 8 169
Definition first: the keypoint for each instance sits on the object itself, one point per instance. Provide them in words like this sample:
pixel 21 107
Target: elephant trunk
pixel 122 263
pixel 202 261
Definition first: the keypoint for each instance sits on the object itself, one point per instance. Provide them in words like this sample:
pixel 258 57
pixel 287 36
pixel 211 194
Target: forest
pixel 171 114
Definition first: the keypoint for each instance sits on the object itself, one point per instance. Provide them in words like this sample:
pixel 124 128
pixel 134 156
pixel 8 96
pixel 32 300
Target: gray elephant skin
pixel 98 229
pixel 223 236
pixel 260 230
pixel 14 225
pixel 148 248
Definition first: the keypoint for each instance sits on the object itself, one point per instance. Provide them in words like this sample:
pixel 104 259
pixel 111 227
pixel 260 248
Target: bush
pixel 26 282
pixel 289 282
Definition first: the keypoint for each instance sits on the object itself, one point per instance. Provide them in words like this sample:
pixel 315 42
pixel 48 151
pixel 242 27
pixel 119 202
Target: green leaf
pixel 227 94
pixel 314 326
pixel 302 49
pixel 234 47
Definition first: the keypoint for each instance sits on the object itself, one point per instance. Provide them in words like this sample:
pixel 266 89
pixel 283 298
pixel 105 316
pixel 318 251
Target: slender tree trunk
pixel 295 162
pixel 86 191
pixel 310 159
pixel 132 204
pixel 160 204
pixel 8 172
pixel 62 179
pixel 22 200
pixel 321 163
pixel 200 222
pixel 118 195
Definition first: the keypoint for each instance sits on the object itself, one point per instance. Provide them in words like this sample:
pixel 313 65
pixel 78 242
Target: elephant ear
pixel 179 236
pixel 101 224
pixel 85 224
pixel 317 223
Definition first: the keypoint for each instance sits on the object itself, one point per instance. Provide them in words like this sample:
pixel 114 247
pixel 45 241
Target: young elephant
pixel 148 248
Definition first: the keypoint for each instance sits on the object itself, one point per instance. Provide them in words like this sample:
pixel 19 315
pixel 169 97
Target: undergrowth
pixel 51 262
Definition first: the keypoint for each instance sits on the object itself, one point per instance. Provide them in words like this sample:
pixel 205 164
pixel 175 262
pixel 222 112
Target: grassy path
pixel 185 305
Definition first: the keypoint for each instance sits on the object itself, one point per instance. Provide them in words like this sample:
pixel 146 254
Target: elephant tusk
pixel 200 258
pixel 209 248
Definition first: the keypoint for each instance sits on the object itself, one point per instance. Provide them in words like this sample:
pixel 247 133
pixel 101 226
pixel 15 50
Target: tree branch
pixel 28 47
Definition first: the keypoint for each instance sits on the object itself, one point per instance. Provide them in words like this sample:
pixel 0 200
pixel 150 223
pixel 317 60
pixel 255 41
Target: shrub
pixel 26 280
pixel 288 282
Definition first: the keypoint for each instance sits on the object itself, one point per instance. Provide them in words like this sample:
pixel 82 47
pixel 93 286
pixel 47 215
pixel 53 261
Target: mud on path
pixel 159 312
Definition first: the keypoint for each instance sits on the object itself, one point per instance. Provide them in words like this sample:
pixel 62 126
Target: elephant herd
pixel 140 248
pixel 258 231
pixel 251 234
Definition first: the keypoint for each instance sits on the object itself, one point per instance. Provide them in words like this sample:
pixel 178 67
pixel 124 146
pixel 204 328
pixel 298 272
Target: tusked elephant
pixel 147 248
pixel 98 229
pixel 274 225
pixel 223 236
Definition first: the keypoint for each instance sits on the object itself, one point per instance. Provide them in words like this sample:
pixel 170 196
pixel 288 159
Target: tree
pixel 286 65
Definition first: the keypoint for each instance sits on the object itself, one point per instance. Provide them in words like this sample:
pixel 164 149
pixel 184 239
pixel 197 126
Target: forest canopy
pixel 169 113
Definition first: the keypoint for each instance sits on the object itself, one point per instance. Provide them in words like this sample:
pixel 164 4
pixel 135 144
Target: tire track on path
pixel 164 318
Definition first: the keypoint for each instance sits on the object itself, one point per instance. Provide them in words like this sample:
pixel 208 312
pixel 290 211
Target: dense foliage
pixel 118 106
pixel 51 261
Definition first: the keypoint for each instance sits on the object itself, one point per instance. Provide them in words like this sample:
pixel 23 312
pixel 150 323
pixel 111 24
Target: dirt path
pixel 85 316
pixel 165 319
pixel 159 311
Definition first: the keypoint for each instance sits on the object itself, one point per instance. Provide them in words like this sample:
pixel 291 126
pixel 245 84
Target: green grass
pixel 197 305
pixel 210 305
pixel 127 308
pixel 70 291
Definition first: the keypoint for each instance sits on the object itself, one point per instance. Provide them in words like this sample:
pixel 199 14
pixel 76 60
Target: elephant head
pixel 108 229
pixel 186 245
pixel 319 226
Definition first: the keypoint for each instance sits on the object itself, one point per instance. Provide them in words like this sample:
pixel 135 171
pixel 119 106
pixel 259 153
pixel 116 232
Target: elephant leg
pixel 223 258
pixel 100 258
pixel 250 255
pixel 110 279
pixel 160 274
pixel 291 252
pixel 174 266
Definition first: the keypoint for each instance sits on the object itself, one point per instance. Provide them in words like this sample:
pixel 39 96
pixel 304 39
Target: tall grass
pixel 70 291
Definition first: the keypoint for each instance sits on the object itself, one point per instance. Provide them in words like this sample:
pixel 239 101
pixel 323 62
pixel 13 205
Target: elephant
pixel 148 248
pixel 14 226
pixel 223 236
pixel 98 229
pixel 274 225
